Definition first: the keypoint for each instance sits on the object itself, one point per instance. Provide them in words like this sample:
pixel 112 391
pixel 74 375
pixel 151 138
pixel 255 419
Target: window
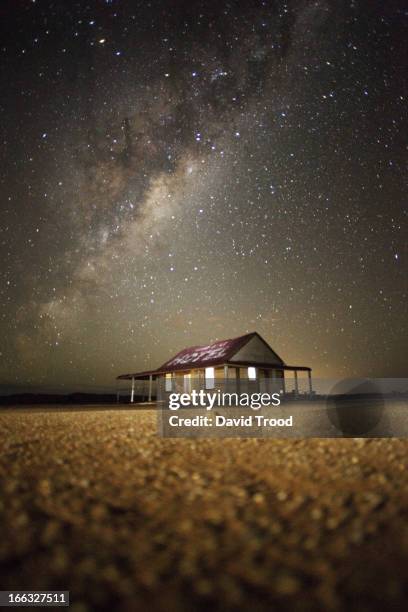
pixel 252 373
pixel 209 378
pixel 187 383
pixel 168 382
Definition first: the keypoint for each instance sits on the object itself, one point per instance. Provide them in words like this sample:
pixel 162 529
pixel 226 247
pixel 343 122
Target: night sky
pixel 174 173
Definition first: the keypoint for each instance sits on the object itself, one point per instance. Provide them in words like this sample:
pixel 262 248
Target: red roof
pixel 201 356
pixel 213 354
pixel 197 356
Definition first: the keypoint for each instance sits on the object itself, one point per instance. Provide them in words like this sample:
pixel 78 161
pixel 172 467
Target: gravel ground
pixel 92 501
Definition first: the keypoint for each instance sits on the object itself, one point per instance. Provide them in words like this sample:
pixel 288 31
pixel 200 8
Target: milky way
pixel 177 173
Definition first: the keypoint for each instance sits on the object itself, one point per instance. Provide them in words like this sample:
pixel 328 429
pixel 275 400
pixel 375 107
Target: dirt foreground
pixel 94 502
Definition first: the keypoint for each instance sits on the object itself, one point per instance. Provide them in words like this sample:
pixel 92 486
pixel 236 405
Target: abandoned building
pixel 242 364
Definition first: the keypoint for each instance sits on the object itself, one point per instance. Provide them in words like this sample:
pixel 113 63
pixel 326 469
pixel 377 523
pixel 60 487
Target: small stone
pixel 286 584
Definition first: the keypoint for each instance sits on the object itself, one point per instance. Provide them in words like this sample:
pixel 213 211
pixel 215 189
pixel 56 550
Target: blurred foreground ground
pixel 94 502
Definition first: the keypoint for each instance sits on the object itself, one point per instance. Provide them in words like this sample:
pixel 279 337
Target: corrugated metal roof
pixel 200 356
pixel 216 353
pixel 197 356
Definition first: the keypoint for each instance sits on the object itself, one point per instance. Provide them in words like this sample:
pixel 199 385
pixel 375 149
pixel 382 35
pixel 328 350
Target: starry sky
pixel 179 172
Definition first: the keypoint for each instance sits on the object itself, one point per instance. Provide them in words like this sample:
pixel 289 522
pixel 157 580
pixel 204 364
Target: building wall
pixel 257 351
pixel 269 380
